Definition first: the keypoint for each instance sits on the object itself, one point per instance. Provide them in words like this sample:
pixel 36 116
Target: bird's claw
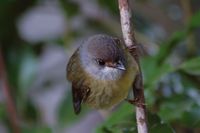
pixel 135 101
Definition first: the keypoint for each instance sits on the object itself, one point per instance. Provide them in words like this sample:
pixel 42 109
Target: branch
pixel 187 11
pixel 130 41
pixel 9 102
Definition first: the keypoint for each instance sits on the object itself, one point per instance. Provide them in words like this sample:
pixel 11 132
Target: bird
pixel 101 72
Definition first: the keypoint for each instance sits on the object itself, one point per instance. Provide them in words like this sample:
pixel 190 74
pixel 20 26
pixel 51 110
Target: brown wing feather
pixel 75 74
pixel 79 95
pixel 77 99
pixel 72 65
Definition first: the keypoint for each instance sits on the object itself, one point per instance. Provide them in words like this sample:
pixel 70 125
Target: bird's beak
pixel 120 66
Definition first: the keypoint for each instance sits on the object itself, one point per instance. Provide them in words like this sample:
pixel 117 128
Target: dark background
pixel 38 37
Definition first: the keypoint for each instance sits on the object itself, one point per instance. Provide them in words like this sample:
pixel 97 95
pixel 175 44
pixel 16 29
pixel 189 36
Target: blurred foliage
pixel 171 74
pixel 70 7
pixel 177 107
pixel 37 130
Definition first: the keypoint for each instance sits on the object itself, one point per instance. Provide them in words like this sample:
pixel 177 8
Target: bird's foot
pixel 135 101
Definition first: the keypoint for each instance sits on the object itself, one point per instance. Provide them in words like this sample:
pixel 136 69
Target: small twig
pixel 6 91
pixel 130 41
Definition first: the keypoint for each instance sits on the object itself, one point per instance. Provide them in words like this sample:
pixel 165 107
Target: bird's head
pixel 104 57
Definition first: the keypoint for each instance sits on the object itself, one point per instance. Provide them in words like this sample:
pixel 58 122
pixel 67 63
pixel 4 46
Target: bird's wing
pixel 76 75
pixel 73 65
pixel 79 94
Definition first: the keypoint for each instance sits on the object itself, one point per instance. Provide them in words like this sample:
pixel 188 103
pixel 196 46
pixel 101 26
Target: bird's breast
pixel 106 93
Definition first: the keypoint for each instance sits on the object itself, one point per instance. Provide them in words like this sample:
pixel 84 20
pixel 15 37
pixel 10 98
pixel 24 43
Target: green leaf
pixel 167 47
pixel 29 111
pixel 123 111
pixel 173 107
pixel 127 124
pixel 65 110
pixel 2 111
pixel 27 70
pixel 112 5
pixel 195 21
pixel 156 125
pixel 191 118
pixel 191 66
pixel 3 2
pixel 37 130
pixel 121 121
pixel 161 128
pixel 71 8
pixel 153 72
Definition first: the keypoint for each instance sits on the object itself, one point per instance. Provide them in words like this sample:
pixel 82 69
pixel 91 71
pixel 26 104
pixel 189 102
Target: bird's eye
pixel 117 61
pixel 100 62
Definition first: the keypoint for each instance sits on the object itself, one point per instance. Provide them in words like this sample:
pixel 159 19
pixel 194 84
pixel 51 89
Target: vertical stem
pixel 186 6
pixel 6 91
pixel 130 41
